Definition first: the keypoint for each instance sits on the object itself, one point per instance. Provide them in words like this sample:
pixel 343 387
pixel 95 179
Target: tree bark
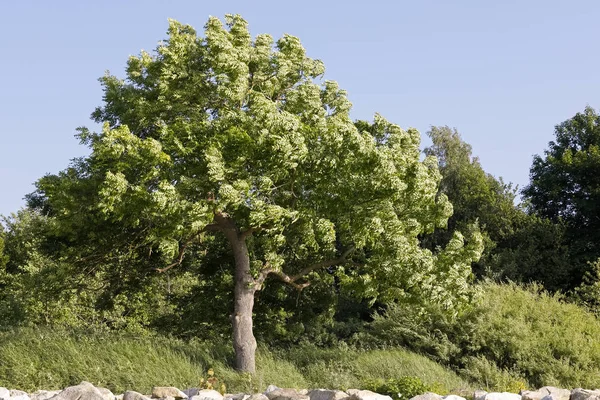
pixel 244 342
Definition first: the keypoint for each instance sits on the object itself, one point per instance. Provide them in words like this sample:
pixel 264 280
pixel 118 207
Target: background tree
pixel 476 196
pixel 518 247
pixel 565 186
pixel 225 135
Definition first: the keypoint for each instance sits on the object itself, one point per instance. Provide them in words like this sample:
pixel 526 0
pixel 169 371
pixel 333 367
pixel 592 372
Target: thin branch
pixel 281 275
pixel 323 264
pixel 291 280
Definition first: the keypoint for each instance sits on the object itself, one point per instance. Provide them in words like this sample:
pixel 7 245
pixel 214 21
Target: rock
pixel 235 396
pixel 302 391
pixel 166 391
pixel 551 392
pixel 453 397
pixel 131 395
pixel 585 394
pixel 191 391
pixel 427 396
pixel 4 393
pixel 352 391
pixel 20 397
pixel 44 394
pixel 257 396
pixel 368 395
pixel 324 394
pixel 84 390
pixel 119 396
pixel 207 394
pixel 107 394
pixel 286 394
pixel 270 388
pixel 479 395
pixel 502 396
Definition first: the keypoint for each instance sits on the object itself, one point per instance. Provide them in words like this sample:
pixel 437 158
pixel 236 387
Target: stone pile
pixel 87 391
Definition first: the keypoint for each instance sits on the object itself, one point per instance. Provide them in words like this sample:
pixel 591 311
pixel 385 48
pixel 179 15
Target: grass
pixel 35 359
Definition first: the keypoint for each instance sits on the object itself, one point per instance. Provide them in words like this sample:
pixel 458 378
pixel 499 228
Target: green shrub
pixel 404 387
pixel 514 336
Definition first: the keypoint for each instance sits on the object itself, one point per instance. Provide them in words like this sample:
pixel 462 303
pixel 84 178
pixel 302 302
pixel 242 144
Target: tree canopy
pixel 565 185
pixel 229 135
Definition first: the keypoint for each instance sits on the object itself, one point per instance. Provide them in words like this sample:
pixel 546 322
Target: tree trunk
pixel 244 342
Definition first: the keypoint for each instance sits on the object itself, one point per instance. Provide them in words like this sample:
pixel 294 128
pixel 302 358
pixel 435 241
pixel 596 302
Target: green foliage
pixel 433 331
pixel 3 256
pixel 43 288
pixel 588 293
pixel 492 378
pixel 565 186
pixel 404 387
pixel 476 196
pixel 227 133
pixel 518 247
pixel 537 251
pixel 514 335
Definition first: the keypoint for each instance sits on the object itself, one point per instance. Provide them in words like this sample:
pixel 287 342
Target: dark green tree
pixel 518 246
pixel 476 196
pixel 565 186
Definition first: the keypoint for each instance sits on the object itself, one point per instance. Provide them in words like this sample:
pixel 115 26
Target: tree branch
pixel 291 280
pixel 248 232
pixel 323 264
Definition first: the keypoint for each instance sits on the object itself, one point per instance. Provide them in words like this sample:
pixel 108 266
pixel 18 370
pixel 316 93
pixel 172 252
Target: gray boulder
pixel 479 395
pixel 585 394
pixel 131 395
pixel 191 391
pixel 453 397
pixel 207 394
pixel 427 396
pixel 285 394
pixel 108 395
pixel 19 396
pixel 367 395
pixel 44 394
pixel 236 396
pixel 257 396
pixel 84 390
pixel 548 392
pixel 270 388
pixel 168 391
pixel 502 396
pixel 4 393
pixel 324 394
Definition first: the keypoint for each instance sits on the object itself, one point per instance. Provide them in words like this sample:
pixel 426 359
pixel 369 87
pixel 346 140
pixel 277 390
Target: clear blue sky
pixel 502 72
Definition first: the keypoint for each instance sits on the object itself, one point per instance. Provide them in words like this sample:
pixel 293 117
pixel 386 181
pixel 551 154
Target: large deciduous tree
pixel 234 136
pixel 565 184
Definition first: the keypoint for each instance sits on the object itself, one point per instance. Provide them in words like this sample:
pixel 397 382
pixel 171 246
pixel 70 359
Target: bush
pixel 514 336
pixel 404 387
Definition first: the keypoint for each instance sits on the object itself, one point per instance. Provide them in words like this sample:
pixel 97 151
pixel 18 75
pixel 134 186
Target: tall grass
pixel 51 359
